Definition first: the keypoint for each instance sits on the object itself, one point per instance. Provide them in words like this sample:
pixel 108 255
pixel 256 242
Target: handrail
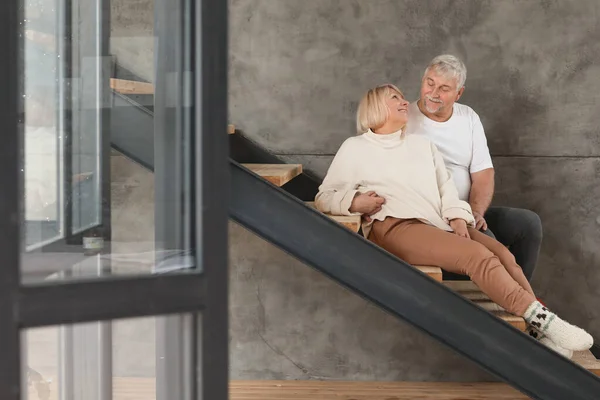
pixel 404 292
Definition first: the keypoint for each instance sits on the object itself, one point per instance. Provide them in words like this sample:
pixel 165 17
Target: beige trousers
pixel 486 261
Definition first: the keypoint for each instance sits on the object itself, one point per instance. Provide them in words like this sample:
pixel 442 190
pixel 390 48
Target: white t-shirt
pixel 461 140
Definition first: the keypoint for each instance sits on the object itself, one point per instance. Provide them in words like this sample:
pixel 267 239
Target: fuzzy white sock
pixel 560 332
pixel 545 340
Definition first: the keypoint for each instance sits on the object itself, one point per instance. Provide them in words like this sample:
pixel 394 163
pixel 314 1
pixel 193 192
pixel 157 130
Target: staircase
pixel 281 174
pixel 287 176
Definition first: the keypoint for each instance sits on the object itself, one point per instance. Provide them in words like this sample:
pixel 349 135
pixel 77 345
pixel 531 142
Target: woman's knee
pixel 506 256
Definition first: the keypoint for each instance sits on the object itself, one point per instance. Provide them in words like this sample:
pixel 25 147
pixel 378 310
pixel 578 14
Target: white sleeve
pixel 339 187
pixel 481 158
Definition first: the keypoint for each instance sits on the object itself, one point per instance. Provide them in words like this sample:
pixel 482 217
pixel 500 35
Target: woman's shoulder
pixel 352 142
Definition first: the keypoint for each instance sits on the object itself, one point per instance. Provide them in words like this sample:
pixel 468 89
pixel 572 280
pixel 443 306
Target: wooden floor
pixel 309 390
pixel 123 389
pixel 131 388
pixel 144 389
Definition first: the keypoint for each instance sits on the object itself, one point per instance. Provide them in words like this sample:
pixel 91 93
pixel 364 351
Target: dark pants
pixel 518 229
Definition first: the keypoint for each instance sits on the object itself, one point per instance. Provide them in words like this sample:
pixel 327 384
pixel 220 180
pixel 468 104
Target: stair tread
pixel 488 305
pixel 125 86
pixel 462 286
pixel 517 322
pixel 433 272
pixel 471 291
pixel 351 222
pixel 277 174
pixel 475 295
pixel 587 360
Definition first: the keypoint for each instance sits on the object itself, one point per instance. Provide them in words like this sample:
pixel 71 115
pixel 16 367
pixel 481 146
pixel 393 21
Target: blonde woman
pixel 410 205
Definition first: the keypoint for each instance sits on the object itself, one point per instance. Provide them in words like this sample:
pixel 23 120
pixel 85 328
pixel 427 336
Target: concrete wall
pixel 297 70
pixel 132 36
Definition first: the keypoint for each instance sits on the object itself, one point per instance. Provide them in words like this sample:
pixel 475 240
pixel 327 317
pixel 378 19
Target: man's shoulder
pixel 464 110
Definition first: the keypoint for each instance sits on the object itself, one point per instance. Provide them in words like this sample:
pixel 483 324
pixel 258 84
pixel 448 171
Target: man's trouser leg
pixel 521 231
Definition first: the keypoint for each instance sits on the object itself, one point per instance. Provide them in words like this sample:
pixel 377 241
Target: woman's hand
pixel 459 226
pixel 367 204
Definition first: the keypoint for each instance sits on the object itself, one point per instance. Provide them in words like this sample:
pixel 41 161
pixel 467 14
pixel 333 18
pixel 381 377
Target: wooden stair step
pixel 125 86
pixel 471 291
pixel 515 321
pixel 462 286
pixel 351 222
pixel 587 360
pixel 432 272
pixel 489 305
pixel 277 174
pixel 475 295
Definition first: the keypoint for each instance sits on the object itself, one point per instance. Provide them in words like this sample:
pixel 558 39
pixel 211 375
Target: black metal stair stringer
pixel 405 292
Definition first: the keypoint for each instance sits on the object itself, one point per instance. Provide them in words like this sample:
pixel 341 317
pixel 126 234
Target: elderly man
pixel 458 133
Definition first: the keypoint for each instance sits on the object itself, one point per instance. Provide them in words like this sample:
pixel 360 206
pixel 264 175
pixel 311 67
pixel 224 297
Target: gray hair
pixel 449 66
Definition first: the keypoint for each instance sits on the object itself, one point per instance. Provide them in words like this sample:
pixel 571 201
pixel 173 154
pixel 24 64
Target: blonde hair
pixel 372 110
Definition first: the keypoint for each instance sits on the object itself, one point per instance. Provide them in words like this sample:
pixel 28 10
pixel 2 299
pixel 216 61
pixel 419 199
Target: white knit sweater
pixel 408 171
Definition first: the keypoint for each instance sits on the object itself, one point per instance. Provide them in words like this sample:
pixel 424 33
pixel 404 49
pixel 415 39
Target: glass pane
pixel 129 359
pixel 108 166
pixel 43 164
pixel 85 119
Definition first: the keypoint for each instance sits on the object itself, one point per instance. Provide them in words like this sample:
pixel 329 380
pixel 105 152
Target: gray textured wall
pixel 132 36
pixel 297 70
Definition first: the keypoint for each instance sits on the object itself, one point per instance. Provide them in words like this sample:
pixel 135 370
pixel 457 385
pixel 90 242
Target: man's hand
pixel 480 223
pixel 367 204
pixel 459 226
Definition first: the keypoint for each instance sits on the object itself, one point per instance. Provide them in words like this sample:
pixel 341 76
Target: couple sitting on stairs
pixel 421 176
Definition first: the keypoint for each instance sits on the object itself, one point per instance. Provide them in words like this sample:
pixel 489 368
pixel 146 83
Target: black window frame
pixel 201 291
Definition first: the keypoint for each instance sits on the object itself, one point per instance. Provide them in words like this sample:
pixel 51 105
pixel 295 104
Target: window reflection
pixel 62 91
pixel 43 158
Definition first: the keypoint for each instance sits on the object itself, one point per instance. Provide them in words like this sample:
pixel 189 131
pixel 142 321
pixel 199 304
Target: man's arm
pixel 482 190
pixel 482 174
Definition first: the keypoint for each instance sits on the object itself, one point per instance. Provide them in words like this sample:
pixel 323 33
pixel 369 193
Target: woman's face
pixel 398 108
